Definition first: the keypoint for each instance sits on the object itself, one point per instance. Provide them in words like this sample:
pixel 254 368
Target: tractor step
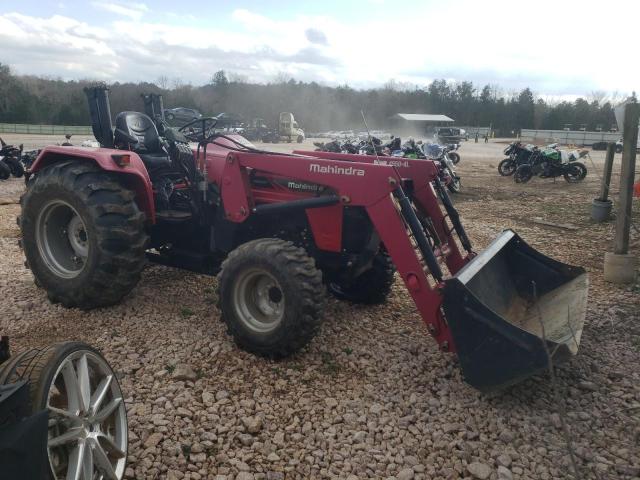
pixel 185 260
pixel 173 215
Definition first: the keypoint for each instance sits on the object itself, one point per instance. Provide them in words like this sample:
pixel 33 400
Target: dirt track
pixel 372 397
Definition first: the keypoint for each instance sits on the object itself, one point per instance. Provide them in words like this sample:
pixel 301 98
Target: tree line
pixel 37 100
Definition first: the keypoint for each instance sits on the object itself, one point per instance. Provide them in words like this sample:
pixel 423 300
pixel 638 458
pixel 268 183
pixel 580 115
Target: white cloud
pixel 463 40
pixel 131 10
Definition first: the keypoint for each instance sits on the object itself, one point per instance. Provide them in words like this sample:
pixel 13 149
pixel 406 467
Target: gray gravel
pixel 372 397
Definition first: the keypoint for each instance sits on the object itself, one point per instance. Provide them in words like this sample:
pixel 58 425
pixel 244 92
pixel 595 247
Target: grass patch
pixel 329 365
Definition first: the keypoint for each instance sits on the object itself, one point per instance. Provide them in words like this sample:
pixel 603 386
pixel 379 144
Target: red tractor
pixel 281 229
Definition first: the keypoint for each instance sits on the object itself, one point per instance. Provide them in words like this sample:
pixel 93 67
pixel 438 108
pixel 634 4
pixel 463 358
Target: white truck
pixel 288 128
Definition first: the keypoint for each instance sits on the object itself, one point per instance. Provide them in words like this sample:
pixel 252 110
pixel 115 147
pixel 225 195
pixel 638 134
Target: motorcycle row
pixel 445 156
pixel 14 161
pixel 10 160
pixel 526 161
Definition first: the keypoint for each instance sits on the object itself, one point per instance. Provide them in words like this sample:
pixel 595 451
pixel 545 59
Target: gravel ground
pixel 371 397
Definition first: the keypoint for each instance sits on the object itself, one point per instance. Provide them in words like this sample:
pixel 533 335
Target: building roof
pixel 424 117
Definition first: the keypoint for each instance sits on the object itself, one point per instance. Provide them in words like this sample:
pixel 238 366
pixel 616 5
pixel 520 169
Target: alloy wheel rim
pixel 62 239
pixel 87 436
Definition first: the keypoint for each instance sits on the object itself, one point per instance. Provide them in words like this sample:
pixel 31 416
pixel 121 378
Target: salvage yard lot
pixel 372 397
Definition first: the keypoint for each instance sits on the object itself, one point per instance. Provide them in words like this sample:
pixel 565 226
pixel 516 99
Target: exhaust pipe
pixel 505 304
pixel 98 98
pixel 153 106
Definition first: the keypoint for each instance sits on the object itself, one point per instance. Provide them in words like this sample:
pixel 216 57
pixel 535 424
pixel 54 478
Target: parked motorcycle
pixel 447 172
pixel 453 155
pixel 518 154
pixel 11 157
pixel 551 163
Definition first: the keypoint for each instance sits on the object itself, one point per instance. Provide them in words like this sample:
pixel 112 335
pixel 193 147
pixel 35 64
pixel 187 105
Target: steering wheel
pixel 202 134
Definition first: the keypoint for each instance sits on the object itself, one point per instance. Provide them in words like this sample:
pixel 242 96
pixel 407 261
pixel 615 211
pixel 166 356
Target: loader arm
pixel 378 189
pixel 423 173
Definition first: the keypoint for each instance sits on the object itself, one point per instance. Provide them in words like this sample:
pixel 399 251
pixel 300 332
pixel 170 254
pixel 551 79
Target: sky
pixel 557 48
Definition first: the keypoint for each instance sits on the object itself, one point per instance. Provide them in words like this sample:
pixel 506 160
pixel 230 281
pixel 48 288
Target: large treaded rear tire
pixel 115 235
pixel 370 288
pixel 299 287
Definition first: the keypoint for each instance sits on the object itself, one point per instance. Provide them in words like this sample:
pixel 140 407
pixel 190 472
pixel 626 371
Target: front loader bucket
pixel 505 303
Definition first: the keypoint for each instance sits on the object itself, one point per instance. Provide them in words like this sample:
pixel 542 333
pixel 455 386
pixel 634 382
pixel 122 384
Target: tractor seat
pixel 149 148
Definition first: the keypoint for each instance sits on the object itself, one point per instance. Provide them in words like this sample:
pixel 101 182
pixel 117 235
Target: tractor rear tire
pixel 371 287
pixel 55 375
pixel 271 297
pixel 83 235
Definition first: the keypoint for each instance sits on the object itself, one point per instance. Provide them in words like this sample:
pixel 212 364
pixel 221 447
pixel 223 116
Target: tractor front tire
pixel 370 288
pixel 83 235
pixel 271 297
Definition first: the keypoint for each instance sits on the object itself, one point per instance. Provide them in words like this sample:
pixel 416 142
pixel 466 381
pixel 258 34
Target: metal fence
pixel 568 137
pixel 45 129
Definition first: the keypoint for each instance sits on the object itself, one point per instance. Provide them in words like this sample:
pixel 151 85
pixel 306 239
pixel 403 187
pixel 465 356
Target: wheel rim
pixel 507 169
pixel 574 174
pixel 87 420
pixel 258 300
pixel 62 239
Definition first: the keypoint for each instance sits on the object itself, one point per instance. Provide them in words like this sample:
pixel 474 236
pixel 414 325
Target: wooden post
pixel 627 173
pixel 606 177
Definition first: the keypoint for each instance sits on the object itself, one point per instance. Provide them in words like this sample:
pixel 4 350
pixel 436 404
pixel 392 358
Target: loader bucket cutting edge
pixel 505 303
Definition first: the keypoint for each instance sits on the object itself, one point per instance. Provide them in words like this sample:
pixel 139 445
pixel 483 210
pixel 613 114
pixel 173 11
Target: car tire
pixel 87 414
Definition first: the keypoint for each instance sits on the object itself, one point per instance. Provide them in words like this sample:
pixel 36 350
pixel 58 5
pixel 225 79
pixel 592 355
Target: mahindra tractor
pixel 279 231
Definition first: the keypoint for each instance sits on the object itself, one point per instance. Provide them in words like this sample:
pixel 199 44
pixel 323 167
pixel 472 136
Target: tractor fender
pixel 135 174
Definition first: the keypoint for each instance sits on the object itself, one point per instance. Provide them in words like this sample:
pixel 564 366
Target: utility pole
pixel 627 174
pixel 619 266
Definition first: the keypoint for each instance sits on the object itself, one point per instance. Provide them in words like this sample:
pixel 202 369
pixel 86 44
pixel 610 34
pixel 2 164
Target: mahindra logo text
pixel 314 167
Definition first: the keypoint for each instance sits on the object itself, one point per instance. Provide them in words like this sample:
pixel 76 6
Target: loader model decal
pixel 316 168
pixel 393 163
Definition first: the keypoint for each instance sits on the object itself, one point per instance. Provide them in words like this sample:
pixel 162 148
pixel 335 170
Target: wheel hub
pixel 62 239
pixel 259 301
